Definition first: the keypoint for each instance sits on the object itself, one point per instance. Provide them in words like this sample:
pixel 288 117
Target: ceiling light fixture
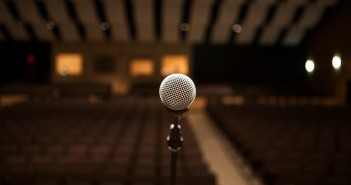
pixel 184 27
pixel 237 28
pixel 104 26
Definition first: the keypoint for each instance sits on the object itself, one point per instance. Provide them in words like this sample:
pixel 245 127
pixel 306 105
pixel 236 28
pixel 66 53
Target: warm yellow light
pixel 141 67
pixel 69 64
pixel 336 62
pixel 309 65
pixel 175 64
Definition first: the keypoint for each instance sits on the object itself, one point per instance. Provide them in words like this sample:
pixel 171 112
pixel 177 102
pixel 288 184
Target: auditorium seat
pixel 54 149
pixel 8 149
pixel 82 90
pixel 300 145
pixel 73 141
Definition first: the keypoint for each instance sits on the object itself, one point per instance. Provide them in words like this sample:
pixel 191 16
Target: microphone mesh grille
pixel 177 91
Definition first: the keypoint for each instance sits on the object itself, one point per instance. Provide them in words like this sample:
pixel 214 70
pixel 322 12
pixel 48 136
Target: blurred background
pixel 79 86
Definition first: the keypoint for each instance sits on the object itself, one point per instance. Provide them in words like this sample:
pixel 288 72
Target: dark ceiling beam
pixel 73 15
pixel 186 17
pixel 213 17
pixel 130 18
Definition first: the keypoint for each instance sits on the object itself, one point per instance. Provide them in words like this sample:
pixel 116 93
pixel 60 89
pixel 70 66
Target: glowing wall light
pixel 174 64
pixel 69 64
pixel 309 66
pixel 336 62
pixel 141 67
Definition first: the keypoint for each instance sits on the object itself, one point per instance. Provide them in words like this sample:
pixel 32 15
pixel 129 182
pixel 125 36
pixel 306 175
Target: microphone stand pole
pixel 174 141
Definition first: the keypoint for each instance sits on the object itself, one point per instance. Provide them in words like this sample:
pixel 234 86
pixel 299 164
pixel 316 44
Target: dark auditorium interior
pixel 80 102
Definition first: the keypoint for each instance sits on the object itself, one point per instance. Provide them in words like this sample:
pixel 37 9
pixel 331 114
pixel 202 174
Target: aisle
pixel 219 155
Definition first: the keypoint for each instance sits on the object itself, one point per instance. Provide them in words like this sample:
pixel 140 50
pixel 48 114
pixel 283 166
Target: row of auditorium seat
pixel 308 145
pixel 60 90
pixel 120 141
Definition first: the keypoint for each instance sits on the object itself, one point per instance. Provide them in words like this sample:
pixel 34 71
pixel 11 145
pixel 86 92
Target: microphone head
pixel 177 92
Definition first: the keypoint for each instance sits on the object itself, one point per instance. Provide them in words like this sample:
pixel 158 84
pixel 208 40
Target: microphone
pixel 177 93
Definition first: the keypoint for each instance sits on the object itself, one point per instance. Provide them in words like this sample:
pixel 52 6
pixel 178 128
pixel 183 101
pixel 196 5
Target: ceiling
pixel 241 22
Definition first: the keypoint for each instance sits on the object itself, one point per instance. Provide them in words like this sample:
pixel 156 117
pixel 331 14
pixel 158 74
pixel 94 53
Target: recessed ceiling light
pixel 104 26
pixel 184 27
pixel 237 28
pixel 50 25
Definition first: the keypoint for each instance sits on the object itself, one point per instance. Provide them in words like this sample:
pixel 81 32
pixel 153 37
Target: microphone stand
pixel 174 141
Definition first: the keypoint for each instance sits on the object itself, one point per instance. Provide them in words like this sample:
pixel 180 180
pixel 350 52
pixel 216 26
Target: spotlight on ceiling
pixel 50 25
pixel 104 26
pixel 309 66
pixel 237 28
pixel 336 62
pixel 184 27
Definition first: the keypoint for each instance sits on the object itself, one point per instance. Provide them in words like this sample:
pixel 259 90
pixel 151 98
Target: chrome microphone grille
pixel 177 91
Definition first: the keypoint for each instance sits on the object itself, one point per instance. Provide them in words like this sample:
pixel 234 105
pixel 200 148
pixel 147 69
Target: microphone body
pixel 177 92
